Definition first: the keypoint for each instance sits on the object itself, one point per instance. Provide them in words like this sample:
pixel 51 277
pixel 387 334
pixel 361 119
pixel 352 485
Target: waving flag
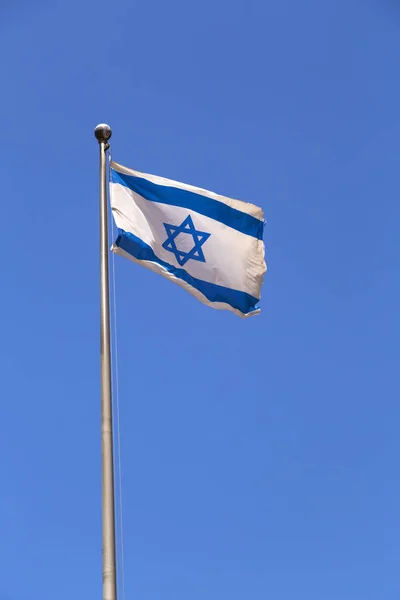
pixel 208 244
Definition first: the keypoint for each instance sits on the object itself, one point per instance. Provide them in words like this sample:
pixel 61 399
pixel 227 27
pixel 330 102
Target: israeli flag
pixel 208 244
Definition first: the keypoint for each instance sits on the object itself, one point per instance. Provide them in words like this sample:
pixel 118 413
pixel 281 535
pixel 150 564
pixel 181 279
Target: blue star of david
pixel 187 227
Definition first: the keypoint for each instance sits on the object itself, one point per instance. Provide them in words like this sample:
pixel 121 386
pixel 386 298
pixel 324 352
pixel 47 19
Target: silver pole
pixel 103 134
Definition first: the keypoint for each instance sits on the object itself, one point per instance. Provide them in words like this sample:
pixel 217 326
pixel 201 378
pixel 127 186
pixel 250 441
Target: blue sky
pixel 259 457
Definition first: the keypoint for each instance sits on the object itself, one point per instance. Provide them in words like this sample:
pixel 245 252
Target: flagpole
pixel 103 134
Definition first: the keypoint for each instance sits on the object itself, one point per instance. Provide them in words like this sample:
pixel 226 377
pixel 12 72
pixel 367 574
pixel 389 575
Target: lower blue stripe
pixel 214 293
pixel 204 205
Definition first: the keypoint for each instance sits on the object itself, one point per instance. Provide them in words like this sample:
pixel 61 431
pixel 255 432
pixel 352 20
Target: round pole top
pixel 102 133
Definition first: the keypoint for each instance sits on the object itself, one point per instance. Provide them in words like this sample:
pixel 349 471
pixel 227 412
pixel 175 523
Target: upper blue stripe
pixel 137 248
pixel 201 204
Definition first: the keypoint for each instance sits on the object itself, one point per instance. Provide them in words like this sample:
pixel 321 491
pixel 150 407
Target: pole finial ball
pixel 102 133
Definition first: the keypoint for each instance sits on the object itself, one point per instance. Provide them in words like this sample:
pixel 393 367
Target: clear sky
pixel 259 457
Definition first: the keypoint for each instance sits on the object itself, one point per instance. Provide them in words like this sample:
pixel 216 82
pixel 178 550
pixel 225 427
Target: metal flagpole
pixel 103 134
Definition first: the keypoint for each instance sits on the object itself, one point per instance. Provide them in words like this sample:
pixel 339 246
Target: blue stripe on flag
pixel 201 204
pixel 214 293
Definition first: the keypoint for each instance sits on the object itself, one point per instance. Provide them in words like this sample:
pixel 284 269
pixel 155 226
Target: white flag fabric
pixel 208 244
